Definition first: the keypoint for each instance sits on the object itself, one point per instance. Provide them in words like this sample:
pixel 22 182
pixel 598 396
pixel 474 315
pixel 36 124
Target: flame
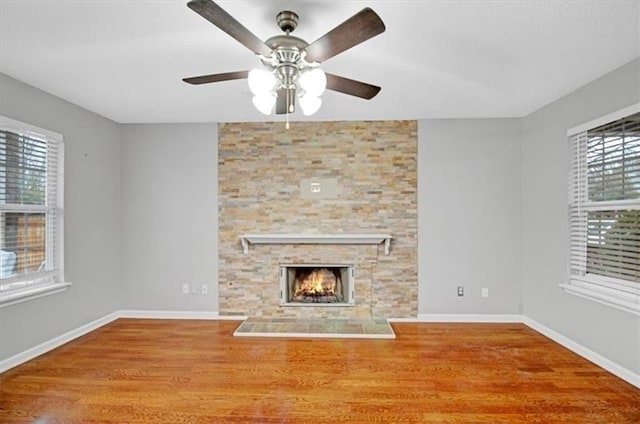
pixel 321 282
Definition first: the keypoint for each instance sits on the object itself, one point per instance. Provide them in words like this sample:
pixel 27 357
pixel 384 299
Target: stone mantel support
pixel 315 239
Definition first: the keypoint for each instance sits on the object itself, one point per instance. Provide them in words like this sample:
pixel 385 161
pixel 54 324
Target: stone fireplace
pixel 365 180
pixel 317 285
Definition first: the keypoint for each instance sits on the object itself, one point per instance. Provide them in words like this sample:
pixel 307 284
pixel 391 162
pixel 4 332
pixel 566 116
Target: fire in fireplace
pixel 316 284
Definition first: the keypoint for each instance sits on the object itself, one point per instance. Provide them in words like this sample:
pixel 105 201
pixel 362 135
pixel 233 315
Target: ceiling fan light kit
pixel 308 85
pixel 290 64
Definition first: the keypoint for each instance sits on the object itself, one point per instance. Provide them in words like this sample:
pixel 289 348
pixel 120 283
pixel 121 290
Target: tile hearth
pixel 316 328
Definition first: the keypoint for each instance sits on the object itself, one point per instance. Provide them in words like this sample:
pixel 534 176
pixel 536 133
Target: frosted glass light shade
pixel 264 103
pixel 310 104
pixel 261 81
pixel 313 82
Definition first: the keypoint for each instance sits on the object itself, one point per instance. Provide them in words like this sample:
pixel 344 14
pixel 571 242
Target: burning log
pixel 318 285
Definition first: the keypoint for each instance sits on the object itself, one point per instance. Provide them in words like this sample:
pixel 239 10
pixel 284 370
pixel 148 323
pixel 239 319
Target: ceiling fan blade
pixel 351 87
pixel 358 28
pixel 220 18
pixel 206 79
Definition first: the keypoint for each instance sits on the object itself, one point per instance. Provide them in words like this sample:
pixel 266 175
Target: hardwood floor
pixel 162 371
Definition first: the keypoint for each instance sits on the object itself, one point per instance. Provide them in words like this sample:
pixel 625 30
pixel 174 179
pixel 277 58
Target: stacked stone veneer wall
pixel 261 166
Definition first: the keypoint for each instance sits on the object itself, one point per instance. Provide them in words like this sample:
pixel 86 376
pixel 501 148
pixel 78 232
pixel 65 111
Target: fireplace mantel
pixel 315 239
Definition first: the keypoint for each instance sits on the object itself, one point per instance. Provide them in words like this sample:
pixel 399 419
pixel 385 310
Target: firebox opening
pixel 316 284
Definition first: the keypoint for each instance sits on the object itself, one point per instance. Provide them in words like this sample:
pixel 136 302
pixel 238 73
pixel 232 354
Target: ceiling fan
pixel 290 64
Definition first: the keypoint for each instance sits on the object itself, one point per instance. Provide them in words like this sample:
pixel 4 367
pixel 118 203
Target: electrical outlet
pixel 185 288
pixel 460 291
pixel 485 292
pixel 205 289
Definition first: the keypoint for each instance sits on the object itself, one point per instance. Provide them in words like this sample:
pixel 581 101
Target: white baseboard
pixel 146 314
pixel 470 318
pixel 45 347
pixel 614 368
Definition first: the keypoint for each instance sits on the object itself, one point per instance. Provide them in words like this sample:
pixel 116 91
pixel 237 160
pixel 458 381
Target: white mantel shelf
pixel 315 239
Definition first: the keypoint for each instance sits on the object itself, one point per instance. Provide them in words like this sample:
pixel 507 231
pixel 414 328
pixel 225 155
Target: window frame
pixel 41 283
pixel 614 292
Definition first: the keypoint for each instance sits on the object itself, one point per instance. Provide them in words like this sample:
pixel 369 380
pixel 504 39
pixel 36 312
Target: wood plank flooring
pixel 175 371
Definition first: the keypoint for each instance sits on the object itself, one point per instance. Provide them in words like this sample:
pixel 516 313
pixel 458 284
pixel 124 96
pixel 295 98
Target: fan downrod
pixel 287 21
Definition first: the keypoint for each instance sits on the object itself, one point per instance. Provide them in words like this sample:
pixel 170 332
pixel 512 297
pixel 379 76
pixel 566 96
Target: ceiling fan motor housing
pixel 286 59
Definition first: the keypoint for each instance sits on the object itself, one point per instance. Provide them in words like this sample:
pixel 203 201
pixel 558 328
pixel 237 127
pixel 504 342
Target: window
pixel 604 210
pixel 31 260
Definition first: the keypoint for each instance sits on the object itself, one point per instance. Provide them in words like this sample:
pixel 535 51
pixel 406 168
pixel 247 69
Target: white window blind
pixel 30 210
pixel 604 213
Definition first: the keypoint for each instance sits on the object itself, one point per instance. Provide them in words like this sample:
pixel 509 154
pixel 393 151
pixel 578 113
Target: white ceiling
pixel 437 59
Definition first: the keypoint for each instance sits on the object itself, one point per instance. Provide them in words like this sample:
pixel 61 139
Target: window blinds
pixel 29 212
pixel 604 201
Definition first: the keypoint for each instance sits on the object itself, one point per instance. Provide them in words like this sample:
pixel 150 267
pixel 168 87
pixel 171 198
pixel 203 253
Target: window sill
pixel 628 301
pixel 29 293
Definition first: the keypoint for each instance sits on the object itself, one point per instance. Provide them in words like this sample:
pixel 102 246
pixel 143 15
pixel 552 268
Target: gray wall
pixel 612 333
pixel 169 216
pixel 469 173
pixel 92 219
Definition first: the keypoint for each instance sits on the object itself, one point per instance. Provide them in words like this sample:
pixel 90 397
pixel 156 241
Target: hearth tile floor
pixel 316 328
